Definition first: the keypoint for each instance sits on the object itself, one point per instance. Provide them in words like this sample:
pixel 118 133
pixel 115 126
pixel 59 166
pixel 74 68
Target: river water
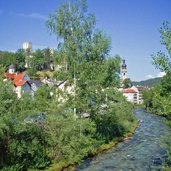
pixel 143 152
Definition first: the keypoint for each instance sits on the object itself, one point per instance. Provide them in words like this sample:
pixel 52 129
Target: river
pixel 143 152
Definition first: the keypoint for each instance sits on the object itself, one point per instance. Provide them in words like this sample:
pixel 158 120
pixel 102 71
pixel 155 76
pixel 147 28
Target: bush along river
pixel 143 152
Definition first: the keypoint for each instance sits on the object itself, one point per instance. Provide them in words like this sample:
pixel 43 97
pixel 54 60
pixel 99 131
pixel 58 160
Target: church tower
pixel 124 70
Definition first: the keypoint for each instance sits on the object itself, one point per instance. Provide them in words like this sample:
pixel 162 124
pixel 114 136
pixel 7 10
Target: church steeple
pixel 124 70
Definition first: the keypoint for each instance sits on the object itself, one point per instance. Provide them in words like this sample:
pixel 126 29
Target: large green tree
pixel 84 53
pixel 162 61
pixel 79 41
pixel 82 48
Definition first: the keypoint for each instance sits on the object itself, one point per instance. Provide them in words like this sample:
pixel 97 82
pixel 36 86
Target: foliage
pixel 62 137
pixel 7 58
pixel 38 61
pixel 158 99
pixel 22 145
pixel 69 138
pixel 17 58
pixel 112 120
pixel 92 77
pixel 48 55
pixel 20 60
pixel 161 60
pixel 79 42
pixel 127 83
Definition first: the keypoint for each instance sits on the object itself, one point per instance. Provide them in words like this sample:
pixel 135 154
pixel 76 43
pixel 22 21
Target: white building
pixel 132 95
pixel 27 45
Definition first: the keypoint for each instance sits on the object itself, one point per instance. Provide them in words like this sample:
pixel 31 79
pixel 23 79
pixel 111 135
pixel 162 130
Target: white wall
pixel 131 97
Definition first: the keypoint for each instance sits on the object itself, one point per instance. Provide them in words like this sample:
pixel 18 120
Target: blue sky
pixel 132 25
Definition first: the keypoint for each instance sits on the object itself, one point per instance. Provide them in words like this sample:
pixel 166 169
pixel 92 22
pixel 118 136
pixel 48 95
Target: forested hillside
pixel 149 82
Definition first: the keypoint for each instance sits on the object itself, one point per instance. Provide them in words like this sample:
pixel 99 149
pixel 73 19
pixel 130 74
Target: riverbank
pixel 72 166
pixel 144 151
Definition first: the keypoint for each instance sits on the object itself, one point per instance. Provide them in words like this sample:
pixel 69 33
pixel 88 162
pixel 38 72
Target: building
pixel 27 47
pixel 134 94
pixel 21 82
pixel 131 94
pixel 124 70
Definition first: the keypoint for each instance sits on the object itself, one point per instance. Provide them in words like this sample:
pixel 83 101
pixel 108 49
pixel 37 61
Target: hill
pixel 150 82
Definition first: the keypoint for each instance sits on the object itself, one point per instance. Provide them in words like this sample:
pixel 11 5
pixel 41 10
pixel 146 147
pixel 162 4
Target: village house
pixel 131 94
pixel 134 94
pixel 21 82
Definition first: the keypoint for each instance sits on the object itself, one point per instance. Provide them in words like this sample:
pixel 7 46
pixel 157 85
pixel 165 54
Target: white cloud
pixel 32 15
pixel 149 76
pixel 161 74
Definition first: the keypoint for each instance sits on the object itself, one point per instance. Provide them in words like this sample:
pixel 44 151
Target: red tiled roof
pixel 9 75
pixel 19 83
pixel 17 78
pixel 129 91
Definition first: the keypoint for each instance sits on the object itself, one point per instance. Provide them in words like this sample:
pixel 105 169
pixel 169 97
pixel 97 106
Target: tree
pixel 7 58
pixel 166 85
pixel 127 83
pixel 83 50
pixel 161 60
pixel 79 41
pixel 38 60
pixel 48 55
pixel 86 65
pixel 20 60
